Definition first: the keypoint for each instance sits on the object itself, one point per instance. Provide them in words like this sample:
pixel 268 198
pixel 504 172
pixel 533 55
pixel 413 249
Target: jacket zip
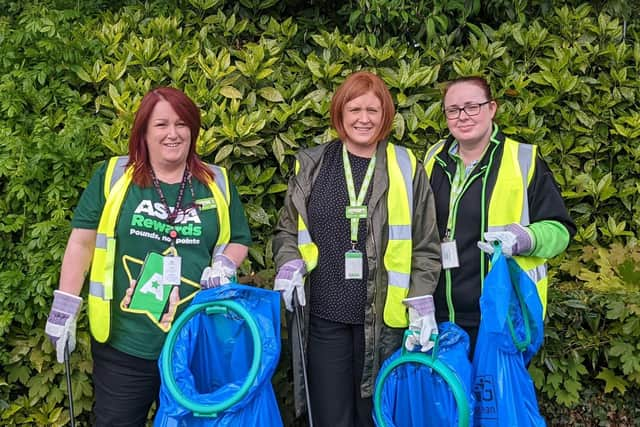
pixel 451 232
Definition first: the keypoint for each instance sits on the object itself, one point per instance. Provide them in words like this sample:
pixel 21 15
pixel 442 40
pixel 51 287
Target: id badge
pixel 206 204
pixel 359 212
pixel 171 270
pixel 449 252
pixel 353 265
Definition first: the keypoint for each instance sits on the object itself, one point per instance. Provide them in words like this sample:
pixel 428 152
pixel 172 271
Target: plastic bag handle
pixel 434 337
pixel 520 345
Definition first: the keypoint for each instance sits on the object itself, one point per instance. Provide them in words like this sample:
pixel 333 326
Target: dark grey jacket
pixel 380 341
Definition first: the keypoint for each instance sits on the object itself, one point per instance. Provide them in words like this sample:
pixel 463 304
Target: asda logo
pixel 152 217
pixel 158 210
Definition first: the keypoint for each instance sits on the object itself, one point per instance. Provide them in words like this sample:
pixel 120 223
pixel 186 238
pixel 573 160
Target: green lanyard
pixel 460 181
pixel 458 186
pixel 355 211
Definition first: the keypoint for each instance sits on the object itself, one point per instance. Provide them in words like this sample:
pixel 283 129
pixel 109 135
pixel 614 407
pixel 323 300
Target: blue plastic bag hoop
pixel 212 307
pixel 464 412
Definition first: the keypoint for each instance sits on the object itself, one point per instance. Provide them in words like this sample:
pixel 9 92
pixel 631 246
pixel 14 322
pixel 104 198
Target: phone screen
pixel 150 294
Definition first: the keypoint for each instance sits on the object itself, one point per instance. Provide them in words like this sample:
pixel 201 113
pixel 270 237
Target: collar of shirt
pixel 453 152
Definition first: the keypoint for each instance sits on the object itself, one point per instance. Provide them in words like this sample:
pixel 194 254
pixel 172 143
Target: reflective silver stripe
pixel 304 237
pixel 402 156
pixel 118 170
pixel 399 232
pixel 538 273
pixel 101 241
pixel 218 249
pixel 398 279
pixel 96 289
pixel 434 150
pixel 525 152
pixel 220 180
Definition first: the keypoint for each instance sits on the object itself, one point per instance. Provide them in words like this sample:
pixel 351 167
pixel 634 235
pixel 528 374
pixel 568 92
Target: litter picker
pixel 67 370
pixel 298 319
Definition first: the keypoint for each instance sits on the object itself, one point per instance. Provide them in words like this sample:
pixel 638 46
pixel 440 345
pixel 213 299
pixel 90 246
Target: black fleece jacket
pixel 545 203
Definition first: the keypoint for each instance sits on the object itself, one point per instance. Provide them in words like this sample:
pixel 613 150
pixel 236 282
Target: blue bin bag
pixel 212 356
pixel 414 395
pixel 511 333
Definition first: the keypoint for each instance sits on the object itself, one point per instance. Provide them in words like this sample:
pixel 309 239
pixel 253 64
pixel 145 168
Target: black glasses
pixel 470 109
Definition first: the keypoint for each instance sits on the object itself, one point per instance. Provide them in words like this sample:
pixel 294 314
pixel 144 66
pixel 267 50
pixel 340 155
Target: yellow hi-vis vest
pixel 509 201
pixel 116 183
pixel 401 167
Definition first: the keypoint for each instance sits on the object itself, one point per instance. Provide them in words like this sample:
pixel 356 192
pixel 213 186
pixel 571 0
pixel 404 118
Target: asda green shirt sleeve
pixel 240 232
pixel 87 213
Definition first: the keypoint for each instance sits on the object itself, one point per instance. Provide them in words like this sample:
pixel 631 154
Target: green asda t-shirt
pixel 142 228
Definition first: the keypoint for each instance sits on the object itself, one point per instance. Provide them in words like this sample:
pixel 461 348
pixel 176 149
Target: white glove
pixel 61 324
pixel 221 272
pixel 514 240
pixel 422 323
pixel 290 277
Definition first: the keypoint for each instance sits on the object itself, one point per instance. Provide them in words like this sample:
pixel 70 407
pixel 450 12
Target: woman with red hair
pixel 357 245
pixel 161 207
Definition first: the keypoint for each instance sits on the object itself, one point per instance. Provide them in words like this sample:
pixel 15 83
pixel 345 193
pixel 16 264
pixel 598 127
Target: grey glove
pixel 514 240
pixel 422 323
pixel 290 277
pixel 221 272
pixel 61 324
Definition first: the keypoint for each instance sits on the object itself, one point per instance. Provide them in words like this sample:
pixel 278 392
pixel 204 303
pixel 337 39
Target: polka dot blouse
pixel 332 296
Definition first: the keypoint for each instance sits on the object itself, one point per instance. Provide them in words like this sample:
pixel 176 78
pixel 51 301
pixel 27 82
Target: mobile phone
pixel 150 294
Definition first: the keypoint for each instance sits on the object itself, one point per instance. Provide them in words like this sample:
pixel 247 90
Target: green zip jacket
pixel 380 341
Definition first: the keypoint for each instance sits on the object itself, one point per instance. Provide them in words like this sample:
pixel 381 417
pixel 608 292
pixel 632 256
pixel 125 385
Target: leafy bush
pixel 591 359
pixel 567 77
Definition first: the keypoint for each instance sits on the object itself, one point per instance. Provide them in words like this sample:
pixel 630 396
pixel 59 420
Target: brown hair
pixel 188 111
pixel 357 84
pixel 481 82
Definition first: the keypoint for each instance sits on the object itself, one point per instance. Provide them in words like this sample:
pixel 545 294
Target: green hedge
pixel 566 78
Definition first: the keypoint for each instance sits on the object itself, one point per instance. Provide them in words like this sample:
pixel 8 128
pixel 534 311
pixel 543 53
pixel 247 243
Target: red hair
pixel 358 84
pixel 188 111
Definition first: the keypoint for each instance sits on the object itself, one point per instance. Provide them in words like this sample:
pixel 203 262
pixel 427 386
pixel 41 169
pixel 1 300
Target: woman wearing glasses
pixel 489 187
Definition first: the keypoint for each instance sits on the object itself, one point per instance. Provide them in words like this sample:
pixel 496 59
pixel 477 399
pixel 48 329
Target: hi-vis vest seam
pixel 401 169
pixel 116 184
pixel 509 201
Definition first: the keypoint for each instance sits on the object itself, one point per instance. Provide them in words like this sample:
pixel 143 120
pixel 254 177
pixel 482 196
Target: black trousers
pixel 335 360
pixel 125 387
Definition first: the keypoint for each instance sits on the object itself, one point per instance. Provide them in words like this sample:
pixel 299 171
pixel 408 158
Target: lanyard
pixel 173 214
pixel 353 201
pixel 461 181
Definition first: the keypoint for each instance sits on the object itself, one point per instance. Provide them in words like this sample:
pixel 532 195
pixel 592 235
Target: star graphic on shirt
pixel 164 323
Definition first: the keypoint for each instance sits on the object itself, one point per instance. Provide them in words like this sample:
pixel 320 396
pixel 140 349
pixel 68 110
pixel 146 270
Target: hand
pixel 514 240
pixel 290 277
pixel 422 323
pixel 221 272
pixel 61 324
pixel 128 294
pixel 172 308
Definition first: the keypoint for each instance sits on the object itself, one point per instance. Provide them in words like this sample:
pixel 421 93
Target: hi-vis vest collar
pixel 401 168
pixel 509 201
pixel 116 183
